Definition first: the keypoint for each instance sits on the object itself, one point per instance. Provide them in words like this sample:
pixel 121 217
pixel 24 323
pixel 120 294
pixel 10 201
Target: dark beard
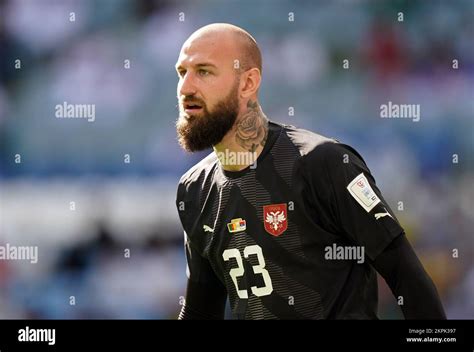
pixel 196 133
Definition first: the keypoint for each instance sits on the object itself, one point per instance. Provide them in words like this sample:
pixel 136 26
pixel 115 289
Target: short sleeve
pixel 347 192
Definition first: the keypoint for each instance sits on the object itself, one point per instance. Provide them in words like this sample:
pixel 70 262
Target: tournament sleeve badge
pixel 360 189
pixel 275 218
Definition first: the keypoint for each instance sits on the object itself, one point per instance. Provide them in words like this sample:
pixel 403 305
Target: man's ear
pixel 250 82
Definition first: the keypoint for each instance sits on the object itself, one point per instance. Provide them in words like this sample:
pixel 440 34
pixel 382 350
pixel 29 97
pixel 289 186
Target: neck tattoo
pixel 252 129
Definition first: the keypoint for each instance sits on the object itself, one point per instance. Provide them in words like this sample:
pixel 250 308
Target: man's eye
pixel 203 72
pixel 181 73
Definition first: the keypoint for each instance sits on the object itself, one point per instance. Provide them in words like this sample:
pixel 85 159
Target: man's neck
pixel 242 145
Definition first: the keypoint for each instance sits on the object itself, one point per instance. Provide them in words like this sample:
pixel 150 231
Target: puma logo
pixel 207 229
pixel 381 215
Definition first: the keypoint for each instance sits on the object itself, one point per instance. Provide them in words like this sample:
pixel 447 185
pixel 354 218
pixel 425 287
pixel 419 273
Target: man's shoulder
pixel 199 171
pixel 316 148
pixel 308 142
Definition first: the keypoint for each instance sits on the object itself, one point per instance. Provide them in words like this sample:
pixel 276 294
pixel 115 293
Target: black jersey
pixel 292 236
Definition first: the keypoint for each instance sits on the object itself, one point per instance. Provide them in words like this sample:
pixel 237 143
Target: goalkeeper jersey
pixel 292 236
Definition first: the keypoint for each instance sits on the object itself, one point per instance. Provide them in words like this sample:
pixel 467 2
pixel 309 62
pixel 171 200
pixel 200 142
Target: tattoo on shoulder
pixel 252 129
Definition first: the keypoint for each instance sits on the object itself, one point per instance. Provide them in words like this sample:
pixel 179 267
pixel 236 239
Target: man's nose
pixel 186 85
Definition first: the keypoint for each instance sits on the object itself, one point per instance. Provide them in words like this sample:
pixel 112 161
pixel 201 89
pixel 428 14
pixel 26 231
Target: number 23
pixel 257 269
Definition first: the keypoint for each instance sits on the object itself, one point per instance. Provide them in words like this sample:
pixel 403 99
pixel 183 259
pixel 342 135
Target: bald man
pixel 285 223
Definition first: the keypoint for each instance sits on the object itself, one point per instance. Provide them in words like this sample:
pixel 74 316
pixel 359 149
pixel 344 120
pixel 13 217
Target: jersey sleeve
pixel 198 268
pixel 205 294
pixel 406 277
pixel 344 189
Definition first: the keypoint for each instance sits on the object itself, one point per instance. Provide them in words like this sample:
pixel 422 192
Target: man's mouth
pixel 192 108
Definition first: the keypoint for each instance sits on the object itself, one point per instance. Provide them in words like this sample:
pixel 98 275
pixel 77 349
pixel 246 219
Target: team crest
pixel 275 219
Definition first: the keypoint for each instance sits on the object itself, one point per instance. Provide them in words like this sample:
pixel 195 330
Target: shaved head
pixel 246 49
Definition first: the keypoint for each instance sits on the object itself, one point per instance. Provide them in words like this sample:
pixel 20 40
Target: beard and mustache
pixel 202 131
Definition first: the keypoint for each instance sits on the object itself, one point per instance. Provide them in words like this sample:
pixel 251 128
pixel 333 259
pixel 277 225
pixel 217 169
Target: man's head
pixel 219 69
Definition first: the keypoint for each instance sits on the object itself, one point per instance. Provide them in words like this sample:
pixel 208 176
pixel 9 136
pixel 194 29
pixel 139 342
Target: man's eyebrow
pixel 202 64
pixel 205 64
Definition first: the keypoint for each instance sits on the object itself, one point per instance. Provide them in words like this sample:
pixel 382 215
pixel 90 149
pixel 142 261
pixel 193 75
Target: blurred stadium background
pixel 46 163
